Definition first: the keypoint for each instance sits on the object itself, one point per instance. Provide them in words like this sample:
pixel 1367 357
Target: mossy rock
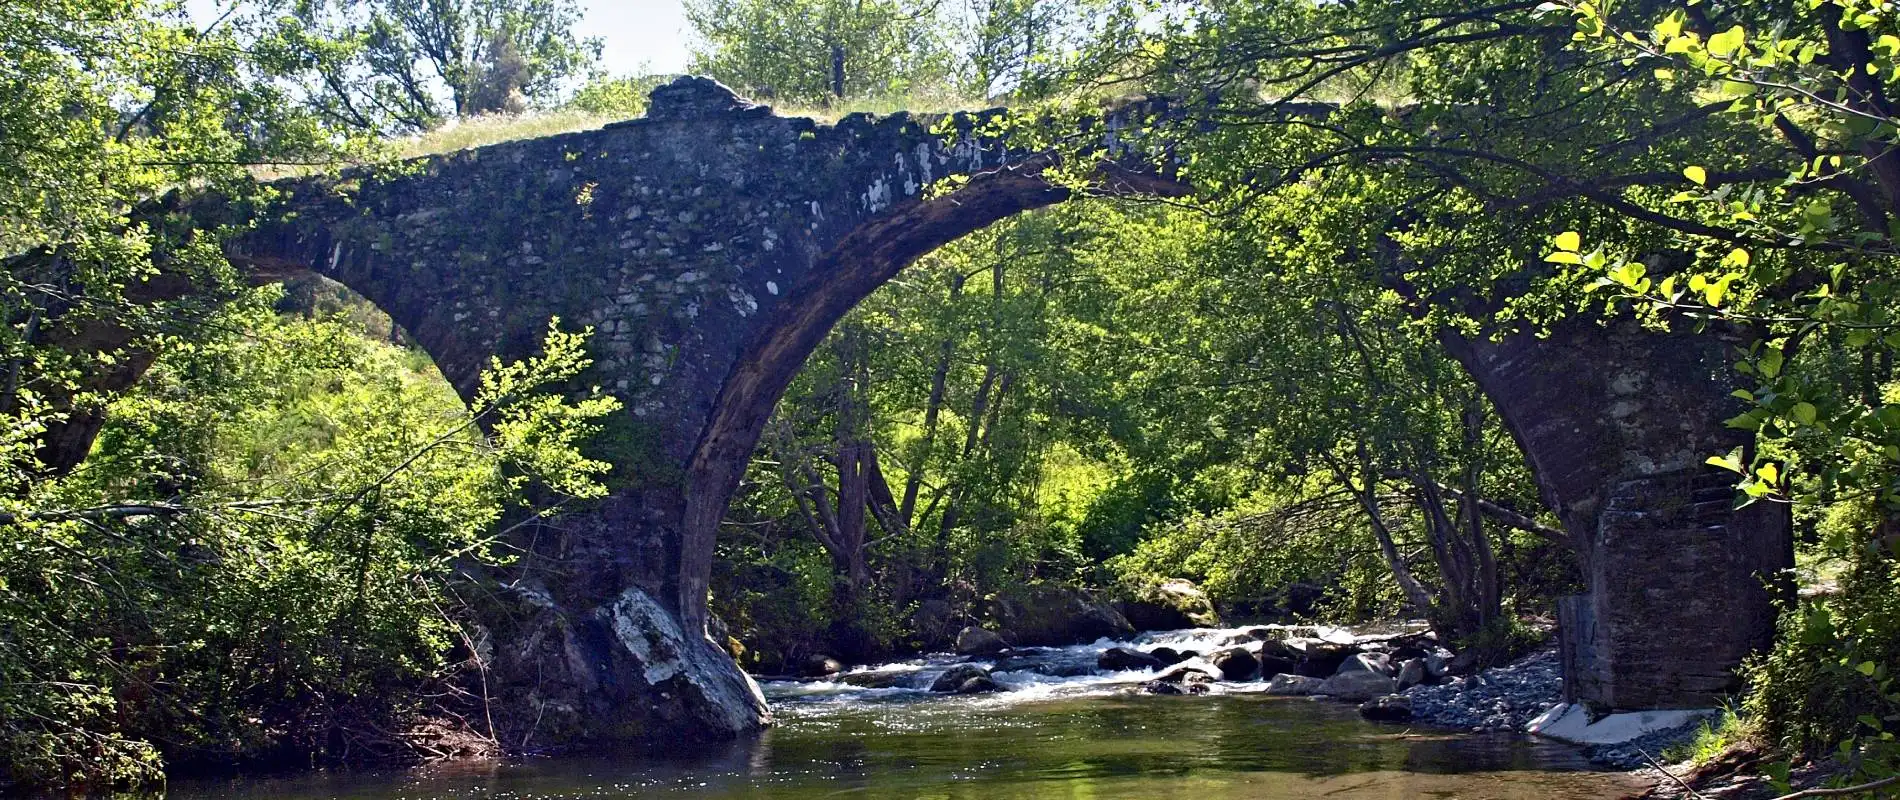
pixel 1170 605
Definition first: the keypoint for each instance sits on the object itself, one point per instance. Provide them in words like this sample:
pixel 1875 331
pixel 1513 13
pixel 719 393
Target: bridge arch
pixel 713 245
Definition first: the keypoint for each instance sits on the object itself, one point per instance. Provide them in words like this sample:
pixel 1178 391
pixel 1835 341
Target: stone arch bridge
pixel 713 245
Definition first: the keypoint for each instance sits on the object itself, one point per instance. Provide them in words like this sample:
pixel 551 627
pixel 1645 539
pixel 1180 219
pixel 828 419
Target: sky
pixel 638 35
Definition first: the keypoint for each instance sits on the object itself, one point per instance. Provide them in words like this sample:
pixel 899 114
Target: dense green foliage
pixel 314 494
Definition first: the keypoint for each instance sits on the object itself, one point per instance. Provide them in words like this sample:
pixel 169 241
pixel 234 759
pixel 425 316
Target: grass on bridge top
pixel 497 128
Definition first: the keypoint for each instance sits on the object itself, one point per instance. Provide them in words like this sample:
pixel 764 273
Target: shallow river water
pixel 1081 736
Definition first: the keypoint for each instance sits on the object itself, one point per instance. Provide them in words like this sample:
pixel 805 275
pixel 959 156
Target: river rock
pixel 1375 663
pixel 1282 649
pixel 1288 684
pixel 981 684
pixel 1411 673
pixel 1320 659
pixel 878 680
pixel 1358 685
pixel 1170 605
pixel 1235 664
pixel 975 641
pixel 953 678
pixel 1160 687
pixel 1063 669
pixel 1168 656
pixel 1122 658
pixel 1054 614
pixel 1180 672
pixel 818 665
pixel 1387 708
pixel 1271 666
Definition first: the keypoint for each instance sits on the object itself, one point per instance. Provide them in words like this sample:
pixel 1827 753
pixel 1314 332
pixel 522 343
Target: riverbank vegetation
pixel 268 550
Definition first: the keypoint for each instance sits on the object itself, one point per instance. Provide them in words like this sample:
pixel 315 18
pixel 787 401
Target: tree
pixel 821 51
pixel 388 64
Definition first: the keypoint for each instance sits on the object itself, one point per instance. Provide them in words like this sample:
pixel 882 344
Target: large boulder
pixel 954 678
pixel 1358 685
pixel 975 641
pixel 1122 658
pixel 1054 614
pixel 617 673
pixel 1170 605
pixel 1235 664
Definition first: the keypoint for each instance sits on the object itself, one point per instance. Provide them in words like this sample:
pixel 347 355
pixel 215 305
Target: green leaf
pixel 1562 257
pixel 1770 363
pixel 1727 42
pixel 1568 241
pixel 1805 413
pixel 1697 174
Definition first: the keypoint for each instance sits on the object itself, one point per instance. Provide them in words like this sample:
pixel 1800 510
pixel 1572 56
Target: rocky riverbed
pixel 1395 673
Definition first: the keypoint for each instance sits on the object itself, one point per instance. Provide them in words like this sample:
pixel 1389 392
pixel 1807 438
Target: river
pixel 1060 730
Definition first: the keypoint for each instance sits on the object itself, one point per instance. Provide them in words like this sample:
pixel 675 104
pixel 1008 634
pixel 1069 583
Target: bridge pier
pixel 1617 423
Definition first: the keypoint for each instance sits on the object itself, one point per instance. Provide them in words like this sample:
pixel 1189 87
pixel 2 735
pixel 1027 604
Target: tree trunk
pixel 933 410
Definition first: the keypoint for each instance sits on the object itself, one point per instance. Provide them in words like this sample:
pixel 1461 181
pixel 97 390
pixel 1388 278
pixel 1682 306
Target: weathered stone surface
pixel 981 684
pixel 626 670
pixel 1320 659
pixel 1678 578
pixel 1122 658
pixel 1271 666
pixel 1168 656
pixel 1170 605
pixel 1235 664
pixel 955 677
pixel 1181 672
pixel 1161 687
pixel 1288 684
pixel 1358 685
pixel 819 664
pixel 1375 663
pixel 1571 722
pixel 1412 673
pixel 976 641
